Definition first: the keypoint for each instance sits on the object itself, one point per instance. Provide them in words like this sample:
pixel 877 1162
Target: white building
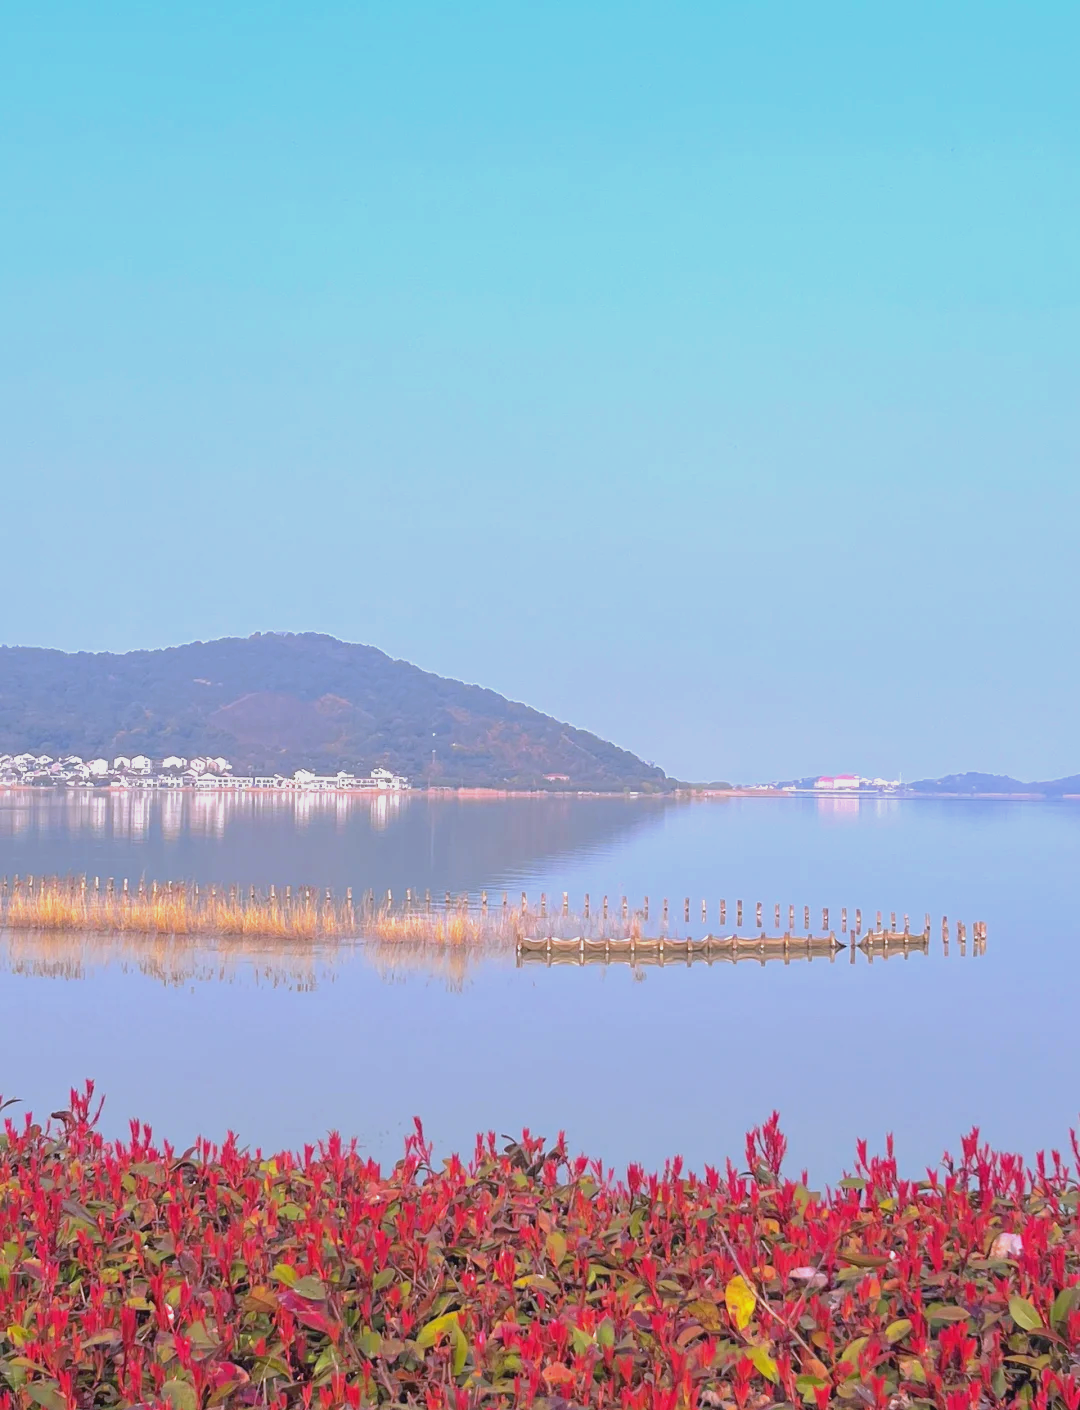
pixel 121 764
pixel 840 783
pixel 174 761
pixel 98 767
pixel 140 764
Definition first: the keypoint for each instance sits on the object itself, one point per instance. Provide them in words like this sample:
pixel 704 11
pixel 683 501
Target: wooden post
pixel 543 903
pixel 625 912
pixel 879 921
pixel 806 918
pixel 843 920
pixel 665 910
pixel 776 915
pixel 892 921
pixel 758 915
pixel 483 903
pixel 825 919
pixel 704 911
pixel 565 903
pixel 723 914
pixel 686 910
pixel 907 926
pixel 586 905
pixel 858 921
pixel 738 915
pixel 524 903
pixel 646 908
pixel 605 908
pixel 791 917
pixel 945 929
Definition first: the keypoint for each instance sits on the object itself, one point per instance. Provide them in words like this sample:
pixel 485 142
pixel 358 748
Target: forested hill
pixel 275 702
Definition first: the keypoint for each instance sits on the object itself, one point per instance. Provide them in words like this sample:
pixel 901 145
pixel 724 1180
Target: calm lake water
pixel 282 1045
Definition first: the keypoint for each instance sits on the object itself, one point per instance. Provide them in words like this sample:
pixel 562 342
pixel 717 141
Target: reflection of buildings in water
pixel 208 814
pixel 14 821
pixel 838 807
pixel 172 816
pixel 384 809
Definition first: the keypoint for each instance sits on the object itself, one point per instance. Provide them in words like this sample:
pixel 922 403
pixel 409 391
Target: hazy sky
pixel 703 374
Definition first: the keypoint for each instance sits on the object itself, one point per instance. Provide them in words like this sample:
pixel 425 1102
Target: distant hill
pixel 976 783
pixel 275 702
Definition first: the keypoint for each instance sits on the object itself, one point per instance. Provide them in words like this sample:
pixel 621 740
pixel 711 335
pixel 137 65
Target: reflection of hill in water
pixel 456 844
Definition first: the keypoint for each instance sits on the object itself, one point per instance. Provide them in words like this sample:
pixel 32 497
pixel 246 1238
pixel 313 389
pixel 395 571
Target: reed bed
pixel 82 904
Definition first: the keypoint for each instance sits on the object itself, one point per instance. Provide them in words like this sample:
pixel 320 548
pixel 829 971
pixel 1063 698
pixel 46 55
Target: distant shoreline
pixel 481 794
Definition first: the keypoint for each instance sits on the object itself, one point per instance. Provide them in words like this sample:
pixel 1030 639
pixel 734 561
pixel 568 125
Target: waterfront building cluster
pixel 204 772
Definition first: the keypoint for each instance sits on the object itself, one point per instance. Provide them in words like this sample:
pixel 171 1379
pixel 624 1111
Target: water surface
pixel 284 1044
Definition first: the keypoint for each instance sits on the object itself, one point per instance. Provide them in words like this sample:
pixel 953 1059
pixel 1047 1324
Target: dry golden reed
pixel 77 903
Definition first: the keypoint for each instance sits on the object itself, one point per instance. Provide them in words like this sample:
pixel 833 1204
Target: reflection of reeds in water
pixel 175 961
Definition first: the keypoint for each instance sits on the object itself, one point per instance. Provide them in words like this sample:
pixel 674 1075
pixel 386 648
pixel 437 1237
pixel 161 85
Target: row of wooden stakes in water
pixel 978 927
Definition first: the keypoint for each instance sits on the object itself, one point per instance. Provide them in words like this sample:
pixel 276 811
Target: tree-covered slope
pixel 276 701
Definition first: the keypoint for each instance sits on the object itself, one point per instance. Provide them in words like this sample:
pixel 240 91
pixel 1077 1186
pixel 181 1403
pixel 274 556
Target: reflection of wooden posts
pixel 686 910
pixel 738 915
pixel 892 921
pixel 646 908
pixel 806 918
pixel 605 908
pixel 878 926
pixel 791 917
pixel 524 903
pixel 566 903
pixel 907 927
pixel 776 914
pixel 843 920
pixel 723 914
pixel 961 935
pixel 704 911
pixel 483 903
pixel 543 904
pixel 625 911
pixel 926 926
pixel 945 929
pixel 757 916
pixel 825 920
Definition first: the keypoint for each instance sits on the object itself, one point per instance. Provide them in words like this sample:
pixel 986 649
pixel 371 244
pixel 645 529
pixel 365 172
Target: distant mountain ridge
pixel 976 783
pixel 276 701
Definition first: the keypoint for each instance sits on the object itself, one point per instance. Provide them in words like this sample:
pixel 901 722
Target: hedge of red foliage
pixel 131 1275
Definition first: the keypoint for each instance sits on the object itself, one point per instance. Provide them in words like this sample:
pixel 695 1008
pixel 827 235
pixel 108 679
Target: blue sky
pixel 702 374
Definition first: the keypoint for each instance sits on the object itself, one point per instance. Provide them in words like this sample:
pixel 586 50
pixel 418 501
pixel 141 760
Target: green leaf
pixel 180 1395
pixel 1064 1304
pixel 461 1350
pixel 556 1247
pixel 430 1333
pixel 48 1394
pixel 311 1288
pixel 1024 1314
pixel 285 1273
pixel 370 1343
pixel 946 1312
pixel 807 1385
pixel 764 1363
pixel 898 1330
pixel 605 1332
